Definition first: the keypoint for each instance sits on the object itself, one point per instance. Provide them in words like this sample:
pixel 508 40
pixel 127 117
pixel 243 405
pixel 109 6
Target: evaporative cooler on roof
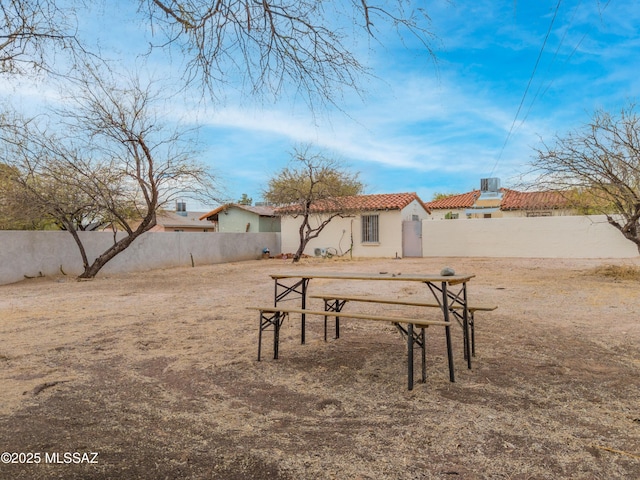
pixel 490 185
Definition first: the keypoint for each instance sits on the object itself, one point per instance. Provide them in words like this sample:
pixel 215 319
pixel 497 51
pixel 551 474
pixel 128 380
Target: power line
pixel 544 43
pixel 555 55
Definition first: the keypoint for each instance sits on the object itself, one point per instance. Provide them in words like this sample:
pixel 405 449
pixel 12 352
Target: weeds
pixel 618 272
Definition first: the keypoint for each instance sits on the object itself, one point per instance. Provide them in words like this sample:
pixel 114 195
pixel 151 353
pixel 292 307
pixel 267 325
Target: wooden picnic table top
pixel 407 277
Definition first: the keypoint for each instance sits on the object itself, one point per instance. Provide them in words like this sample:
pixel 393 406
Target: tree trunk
pixel 90 271
pixel 83 252
pixel 298 254
pixel 629 230
pixel 304 238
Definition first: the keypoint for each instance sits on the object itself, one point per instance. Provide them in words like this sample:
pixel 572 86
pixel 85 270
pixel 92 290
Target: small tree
pixel 245 200
pixel 441 196
pixel 113 163
pixel 312 182
pixel 600 164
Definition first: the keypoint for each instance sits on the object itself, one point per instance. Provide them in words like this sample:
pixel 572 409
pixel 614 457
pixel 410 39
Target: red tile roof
pixel 384 201
pixel 464 200
pixel 511 200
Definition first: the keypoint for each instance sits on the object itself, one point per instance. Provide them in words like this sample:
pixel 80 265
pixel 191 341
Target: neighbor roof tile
pixel 383 201
pixel 513 200
pixel 464 200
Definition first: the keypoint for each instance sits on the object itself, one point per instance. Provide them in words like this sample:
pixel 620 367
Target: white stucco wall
pixel 337 234
pixel 550 237
pixel 34 253
pixel 236 219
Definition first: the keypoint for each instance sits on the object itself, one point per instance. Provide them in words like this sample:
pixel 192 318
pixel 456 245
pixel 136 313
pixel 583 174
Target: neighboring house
pixel 384 225
pixel 491 201
pixel 234 217
pixel 181 220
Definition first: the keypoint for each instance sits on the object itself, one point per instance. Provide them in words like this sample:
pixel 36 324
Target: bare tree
pixel 112 162
pixel 313 189
pixel 31 30
pixel 599 163
pixel 274 44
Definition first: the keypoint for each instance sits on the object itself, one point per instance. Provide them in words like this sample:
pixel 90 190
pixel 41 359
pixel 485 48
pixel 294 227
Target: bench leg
pixel 447 329
pixel 472 322
pixel 260 336
pixel 423 338
pixel 466 326
pixel 333 306
pixel 267 321
pixel 410 341
pixel 419 339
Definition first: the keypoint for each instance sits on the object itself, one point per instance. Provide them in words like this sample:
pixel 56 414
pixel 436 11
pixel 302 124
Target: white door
pixel 411 238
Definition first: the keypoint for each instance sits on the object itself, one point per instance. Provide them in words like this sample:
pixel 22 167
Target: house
pixel 491 201
pixel 381 225
pixel 181 220
pixel 233 217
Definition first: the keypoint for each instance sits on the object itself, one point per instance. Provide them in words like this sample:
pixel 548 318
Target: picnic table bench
pixel 448 291
pixel 273 316
pixel 335 302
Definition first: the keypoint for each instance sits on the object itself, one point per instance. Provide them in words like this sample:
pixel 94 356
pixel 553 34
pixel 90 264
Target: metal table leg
pixel 300 287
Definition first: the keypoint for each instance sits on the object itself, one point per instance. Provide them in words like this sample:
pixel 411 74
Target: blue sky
pixel 438 125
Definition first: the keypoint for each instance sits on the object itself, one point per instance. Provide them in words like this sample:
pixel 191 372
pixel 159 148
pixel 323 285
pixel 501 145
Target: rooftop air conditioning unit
pixel 181 208
pixel 490 185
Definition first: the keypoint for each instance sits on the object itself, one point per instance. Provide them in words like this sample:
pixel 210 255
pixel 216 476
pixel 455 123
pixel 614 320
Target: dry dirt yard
pixel 156 372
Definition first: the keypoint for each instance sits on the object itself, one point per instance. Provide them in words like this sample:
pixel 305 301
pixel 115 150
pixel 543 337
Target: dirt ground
pixel 156 373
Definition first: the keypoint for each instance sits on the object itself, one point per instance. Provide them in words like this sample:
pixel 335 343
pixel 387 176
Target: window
pixel 370 229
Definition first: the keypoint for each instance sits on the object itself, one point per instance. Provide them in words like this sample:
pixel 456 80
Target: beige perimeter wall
pixel 46 253
pixel 551 237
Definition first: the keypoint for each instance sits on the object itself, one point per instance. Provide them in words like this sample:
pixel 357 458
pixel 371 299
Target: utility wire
pixel 555 55
pixel 544 43
pixel 573 51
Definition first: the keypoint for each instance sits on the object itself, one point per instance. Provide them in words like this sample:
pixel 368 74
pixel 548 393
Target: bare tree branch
pixel 31 31
pixel 304 45
pixel 600 164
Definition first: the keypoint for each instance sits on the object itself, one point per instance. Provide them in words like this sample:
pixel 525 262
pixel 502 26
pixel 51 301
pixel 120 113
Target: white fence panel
pixel 542 237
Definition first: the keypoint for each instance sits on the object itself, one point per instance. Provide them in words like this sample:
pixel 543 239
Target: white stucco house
pixel 233 217
pixel 382 225
pixel 181 220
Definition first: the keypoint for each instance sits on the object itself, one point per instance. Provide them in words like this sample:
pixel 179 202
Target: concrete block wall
pixel 46 253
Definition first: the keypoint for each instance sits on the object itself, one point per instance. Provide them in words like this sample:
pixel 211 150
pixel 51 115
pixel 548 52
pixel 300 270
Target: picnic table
pixel 448 291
